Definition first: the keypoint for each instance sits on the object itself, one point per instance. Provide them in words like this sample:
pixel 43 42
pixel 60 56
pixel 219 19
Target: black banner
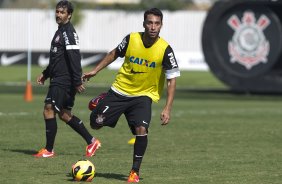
pixel 42 58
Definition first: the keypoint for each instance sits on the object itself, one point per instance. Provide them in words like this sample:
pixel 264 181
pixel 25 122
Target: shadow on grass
pixel 115 176
pixel 27 152
pixel 121 177
pixel 69 175
pixel 31 152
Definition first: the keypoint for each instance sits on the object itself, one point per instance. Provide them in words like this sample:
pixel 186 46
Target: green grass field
pixel 214 137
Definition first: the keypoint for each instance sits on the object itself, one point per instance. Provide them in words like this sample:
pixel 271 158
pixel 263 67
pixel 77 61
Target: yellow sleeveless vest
pixel 142 72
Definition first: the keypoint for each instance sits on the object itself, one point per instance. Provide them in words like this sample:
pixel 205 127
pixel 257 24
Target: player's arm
pixel 172 71
pixel 119 51
pixel 43 76
pixel 108 59
pixel 74 57
pixel 165 115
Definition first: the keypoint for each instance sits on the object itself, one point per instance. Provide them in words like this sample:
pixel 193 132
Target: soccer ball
pixel 83 170
pixel 94 102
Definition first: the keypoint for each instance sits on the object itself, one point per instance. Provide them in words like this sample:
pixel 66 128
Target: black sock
pixel 76 124
pixel 51 131
pixel 139 151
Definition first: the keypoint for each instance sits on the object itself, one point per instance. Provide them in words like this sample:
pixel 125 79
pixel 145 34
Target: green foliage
pixel 163 4
pixel 144 4
pixel 77 15
pixel 171 5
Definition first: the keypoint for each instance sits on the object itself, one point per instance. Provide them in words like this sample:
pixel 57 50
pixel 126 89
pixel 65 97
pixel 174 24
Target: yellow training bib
pixel 142 72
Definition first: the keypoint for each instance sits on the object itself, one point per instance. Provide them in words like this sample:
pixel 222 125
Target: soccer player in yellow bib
pixel 149 61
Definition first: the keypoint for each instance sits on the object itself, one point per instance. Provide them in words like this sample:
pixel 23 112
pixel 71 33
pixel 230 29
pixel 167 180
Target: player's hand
pixel 165 117
pixel 87 76
pixel 80 88
pixel 40 79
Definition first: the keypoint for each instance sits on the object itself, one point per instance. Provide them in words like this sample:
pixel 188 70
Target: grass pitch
pixel 214 137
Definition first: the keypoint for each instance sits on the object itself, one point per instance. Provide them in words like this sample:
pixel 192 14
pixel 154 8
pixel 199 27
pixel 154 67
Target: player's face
pixel 62 16
pixel 152 25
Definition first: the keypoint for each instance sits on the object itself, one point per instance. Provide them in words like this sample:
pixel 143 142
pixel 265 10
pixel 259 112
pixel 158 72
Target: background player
pixel 64 71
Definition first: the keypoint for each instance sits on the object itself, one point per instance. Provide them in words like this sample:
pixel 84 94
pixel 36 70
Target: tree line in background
pixel 171 5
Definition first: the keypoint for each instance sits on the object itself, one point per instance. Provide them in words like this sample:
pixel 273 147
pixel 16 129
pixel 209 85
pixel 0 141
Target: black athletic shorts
pixel 137 111
pixel 60 98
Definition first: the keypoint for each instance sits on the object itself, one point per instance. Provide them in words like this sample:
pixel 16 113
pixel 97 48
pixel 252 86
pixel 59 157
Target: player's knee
pixel 48 111
pixel 140 130
pixel 66 117
pixel 63 118
pixel 96 122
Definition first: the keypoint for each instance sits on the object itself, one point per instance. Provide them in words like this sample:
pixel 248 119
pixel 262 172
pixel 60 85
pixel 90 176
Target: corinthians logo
pixel 248 46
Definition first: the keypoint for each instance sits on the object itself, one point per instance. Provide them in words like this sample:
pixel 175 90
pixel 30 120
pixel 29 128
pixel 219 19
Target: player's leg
pixel 108 111
pixel 50 126
pixel 66 115
pixel 77 124
pixel 140 146
pixel 139 118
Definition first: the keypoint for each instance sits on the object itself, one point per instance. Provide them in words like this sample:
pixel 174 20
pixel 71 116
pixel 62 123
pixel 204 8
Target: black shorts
pixel 137 111
pixel 60 98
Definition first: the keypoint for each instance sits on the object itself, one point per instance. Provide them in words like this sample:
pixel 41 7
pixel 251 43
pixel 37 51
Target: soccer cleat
pixel 44 153
pixel 133 177
pixel 92 148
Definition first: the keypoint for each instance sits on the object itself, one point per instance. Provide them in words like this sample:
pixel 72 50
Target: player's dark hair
pixel 65 4
pixel 154 11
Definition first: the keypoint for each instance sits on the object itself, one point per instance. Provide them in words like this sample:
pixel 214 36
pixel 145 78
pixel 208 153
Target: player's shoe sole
pixel 92 148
